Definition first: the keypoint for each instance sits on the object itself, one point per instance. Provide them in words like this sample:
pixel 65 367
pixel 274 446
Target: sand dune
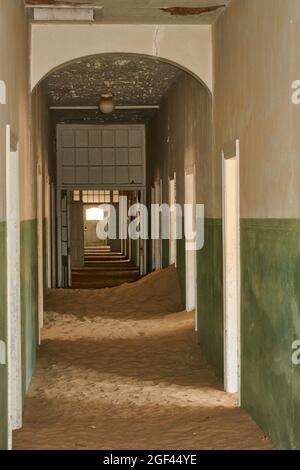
pixel 120 368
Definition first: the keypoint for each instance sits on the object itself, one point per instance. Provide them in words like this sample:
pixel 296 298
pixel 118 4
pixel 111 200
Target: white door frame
pixel 143 242
pixel 231 266
pixel 49 233
pixel 40 215
pixel 173 222
pixel 59 237
pixel 53 235
pixel 158 243
pixel 191 256
pixel 153 243
pixel 14 362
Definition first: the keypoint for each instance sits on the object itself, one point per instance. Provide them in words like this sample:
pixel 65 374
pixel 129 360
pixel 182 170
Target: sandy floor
pixel 120 369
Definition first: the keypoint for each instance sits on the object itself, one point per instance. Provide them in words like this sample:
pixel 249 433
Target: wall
pixel 3 337
pixel 14 71
pixel 255 62
pixel 14 66
pixel 187 45
pixel 42 148
pixel 177 138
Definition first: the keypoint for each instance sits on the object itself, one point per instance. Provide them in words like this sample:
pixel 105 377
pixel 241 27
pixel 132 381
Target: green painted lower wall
pixel 210 295
pixel 29 299
pixel 165 254
pixel 180 261
pixel 29 312
pixel 270 322
pixel 3 337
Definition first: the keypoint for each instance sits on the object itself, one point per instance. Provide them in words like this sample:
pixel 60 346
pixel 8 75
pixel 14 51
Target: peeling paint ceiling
pixel 148 11
pixel 130 78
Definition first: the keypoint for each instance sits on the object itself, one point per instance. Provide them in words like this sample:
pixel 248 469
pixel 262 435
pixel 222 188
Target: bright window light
pixel 95 213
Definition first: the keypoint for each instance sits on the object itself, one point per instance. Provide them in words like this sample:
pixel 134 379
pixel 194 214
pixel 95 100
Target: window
pixel 104 196
pixel 116 196
pixel 96 196
pixel 76 195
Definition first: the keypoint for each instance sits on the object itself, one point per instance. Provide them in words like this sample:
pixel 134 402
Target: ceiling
pixel 148 11
pixel 130 78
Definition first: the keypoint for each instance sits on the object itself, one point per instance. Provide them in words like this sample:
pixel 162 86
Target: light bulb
pixel 106 104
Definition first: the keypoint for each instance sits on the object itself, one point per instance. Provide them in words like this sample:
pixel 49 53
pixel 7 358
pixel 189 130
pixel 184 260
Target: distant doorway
pixel 91 252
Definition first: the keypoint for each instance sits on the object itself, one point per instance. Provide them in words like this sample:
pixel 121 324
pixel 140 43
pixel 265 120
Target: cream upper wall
pixel 14 71
pixel 55 44
pixel 179 138
pixel 256 59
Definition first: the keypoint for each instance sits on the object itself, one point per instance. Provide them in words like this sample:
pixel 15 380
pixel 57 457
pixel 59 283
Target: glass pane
pixel 76 195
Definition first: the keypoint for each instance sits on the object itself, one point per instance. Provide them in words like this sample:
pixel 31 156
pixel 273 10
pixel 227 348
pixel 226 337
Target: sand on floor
pixel 120 368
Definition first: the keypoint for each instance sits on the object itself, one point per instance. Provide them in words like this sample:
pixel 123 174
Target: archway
pixel 138 80
pixel 188 47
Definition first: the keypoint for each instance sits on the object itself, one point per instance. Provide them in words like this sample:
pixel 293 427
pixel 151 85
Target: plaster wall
pixel 17 112
pixel 179 137
pixel 256 60
pixel 14 71
pixel 190 46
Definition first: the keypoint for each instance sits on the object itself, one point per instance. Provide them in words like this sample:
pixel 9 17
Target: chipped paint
pixel 141 12
pixel 131 79
pixel 188 11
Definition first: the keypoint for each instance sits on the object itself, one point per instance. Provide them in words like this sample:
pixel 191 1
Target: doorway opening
pixel 89 257
pixel 231 266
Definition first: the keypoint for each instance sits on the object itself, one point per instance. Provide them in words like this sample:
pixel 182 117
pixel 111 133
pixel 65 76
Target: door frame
pixel 158 242
pixel 191 256
pixel 53 236
pixel 173 220
pixel 143 242
pixel 64 278
pixel 72 206
pixel 40 247
pixel 14 350
pixel 231 265
pixel 49 231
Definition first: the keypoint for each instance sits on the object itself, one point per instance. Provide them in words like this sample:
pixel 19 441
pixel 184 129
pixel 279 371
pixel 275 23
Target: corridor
pixel 120 369
pixel 149 224
pixel 103 268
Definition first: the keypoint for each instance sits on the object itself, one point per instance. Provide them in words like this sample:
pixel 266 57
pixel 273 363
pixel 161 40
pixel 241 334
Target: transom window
pixel 104 196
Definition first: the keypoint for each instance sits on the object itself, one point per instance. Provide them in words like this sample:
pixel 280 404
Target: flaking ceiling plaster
pixel 131 79
pixel 149 11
